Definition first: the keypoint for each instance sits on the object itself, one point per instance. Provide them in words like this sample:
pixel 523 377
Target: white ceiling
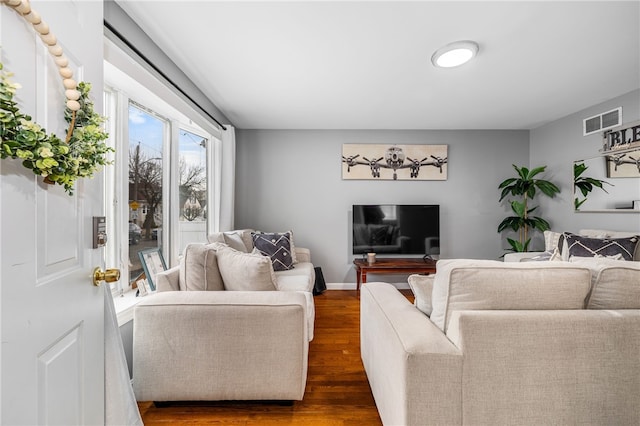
pixel 366 64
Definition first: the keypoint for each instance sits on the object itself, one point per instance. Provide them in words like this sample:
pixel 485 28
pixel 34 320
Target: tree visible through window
pixel 192 177
pixel 146 136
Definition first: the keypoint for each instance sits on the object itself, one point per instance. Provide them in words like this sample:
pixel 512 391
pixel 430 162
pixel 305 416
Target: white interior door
pixel 52 362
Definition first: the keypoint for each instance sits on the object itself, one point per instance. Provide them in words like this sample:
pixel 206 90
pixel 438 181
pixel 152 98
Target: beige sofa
pixel 493 343
pixel 300 278
pixel 195 341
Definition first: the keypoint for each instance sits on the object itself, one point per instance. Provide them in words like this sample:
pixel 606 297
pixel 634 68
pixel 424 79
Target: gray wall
pixel 561 142
pixel 291 179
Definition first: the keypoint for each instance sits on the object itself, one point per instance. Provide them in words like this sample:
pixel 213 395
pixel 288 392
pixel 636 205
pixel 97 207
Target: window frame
pixel 116 200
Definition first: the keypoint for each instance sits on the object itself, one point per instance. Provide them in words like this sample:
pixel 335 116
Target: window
pixel 192 187
pixel 158 192
pixel 147 135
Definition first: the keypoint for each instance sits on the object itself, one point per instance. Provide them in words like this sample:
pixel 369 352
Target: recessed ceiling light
pixel 455 54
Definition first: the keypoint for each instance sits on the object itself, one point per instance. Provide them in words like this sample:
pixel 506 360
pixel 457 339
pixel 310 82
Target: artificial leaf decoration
pixel 56 160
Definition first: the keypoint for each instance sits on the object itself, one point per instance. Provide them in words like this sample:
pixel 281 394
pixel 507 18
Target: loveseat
pixel 224 325
pixel 494 343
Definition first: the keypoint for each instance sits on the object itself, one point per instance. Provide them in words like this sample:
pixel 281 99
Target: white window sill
pixel 124 305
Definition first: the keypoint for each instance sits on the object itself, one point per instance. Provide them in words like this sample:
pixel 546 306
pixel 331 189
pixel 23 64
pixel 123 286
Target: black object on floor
pixel 319 285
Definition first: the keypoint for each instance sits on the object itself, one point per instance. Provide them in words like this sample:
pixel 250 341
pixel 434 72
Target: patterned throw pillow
pixel 277 246
pixel 601 247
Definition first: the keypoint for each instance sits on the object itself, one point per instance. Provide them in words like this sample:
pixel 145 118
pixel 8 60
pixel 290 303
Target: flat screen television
pixel 406 229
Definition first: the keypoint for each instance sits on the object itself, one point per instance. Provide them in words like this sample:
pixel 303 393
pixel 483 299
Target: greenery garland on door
pixel 58 161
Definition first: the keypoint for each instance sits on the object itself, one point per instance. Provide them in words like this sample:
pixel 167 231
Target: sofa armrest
pixel 303 254
pixel 414 371
pixel 220 345
pixel 517 363
pixel 168 280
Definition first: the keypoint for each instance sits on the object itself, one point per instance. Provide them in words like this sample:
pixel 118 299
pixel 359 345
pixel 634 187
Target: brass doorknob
pixel 110 276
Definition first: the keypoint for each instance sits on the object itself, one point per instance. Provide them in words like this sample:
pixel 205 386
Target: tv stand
pixel 393 265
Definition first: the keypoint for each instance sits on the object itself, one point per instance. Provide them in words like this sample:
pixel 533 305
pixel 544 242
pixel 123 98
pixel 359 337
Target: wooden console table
pixel 392 266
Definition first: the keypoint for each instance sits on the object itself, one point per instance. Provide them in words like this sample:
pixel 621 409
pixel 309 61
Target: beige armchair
pixel 220 345
pixel 224 326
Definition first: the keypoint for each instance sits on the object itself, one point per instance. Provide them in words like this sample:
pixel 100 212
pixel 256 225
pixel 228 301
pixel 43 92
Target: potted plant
pixel 584 184
pixel 525 187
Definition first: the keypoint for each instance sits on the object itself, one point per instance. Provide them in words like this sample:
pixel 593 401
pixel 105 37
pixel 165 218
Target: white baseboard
pixel 352 286
pixel 341 286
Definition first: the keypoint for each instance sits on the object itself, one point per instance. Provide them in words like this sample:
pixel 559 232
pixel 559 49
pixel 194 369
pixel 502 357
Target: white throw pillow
pixel 422 287
pixel 551 240
pixel 245 271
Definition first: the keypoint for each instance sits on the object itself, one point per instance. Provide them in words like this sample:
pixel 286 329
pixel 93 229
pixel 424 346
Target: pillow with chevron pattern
pixel 601 247
pixel 277 246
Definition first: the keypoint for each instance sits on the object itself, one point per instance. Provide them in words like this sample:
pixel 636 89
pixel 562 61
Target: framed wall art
pixel 625 165
pixel 152 263
pixel 394 162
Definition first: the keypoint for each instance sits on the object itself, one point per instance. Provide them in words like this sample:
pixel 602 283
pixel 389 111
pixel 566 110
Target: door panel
pixel 60 381
pixel 59 232
pixel 52 317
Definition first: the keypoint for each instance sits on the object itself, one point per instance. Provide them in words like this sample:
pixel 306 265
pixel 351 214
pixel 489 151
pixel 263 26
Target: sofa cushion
pixel 199 269
pixel 245 271
pixel 467 284
pixel 300 278
pixel 422 288
pixel 277 246
pixel 615 284
pixel 601 247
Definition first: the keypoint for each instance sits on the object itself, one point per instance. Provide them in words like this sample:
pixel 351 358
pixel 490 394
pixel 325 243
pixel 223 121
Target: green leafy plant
pixel 58 161
pixel 584 184
pixel 525 187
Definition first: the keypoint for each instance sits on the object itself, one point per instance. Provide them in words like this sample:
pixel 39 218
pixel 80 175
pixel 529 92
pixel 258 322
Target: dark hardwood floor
pixel 337 391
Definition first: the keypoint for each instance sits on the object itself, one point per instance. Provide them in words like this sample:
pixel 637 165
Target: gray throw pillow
pixel 199 268
pixel 277 246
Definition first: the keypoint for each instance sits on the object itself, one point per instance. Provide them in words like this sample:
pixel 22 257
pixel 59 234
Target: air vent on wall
pixel 604 121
